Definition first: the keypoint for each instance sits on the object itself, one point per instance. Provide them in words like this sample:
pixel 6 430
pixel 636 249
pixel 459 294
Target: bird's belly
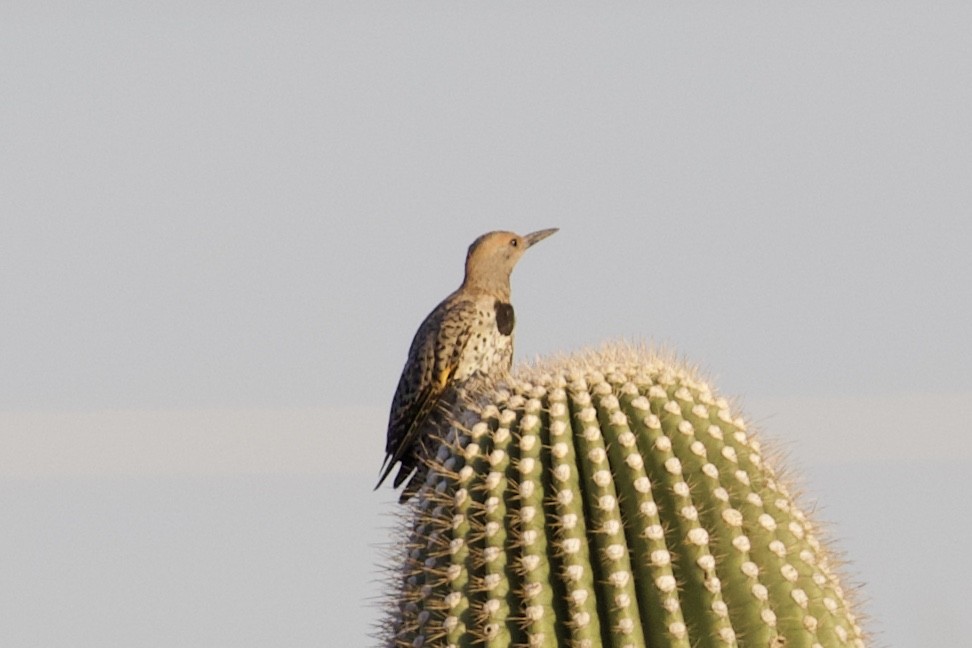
pixel 490 357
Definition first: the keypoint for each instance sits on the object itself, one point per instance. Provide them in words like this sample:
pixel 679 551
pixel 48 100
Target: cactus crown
pixel 610 499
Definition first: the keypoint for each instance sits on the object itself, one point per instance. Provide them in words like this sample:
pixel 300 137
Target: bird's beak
pixel 536 237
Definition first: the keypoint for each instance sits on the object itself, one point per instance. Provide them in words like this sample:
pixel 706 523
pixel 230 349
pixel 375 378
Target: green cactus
pixel 610 499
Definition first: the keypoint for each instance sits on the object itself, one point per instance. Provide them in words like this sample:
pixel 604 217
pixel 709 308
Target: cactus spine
pixel 611 500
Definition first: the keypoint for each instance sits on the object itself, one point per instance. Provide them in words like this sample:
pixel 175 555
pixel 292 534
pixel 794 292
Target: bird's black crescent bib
pixel 504 317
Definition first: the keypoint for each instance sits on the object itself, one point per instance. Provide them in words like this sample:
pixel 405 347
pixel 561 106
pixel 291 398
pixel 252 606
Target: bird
pixel 467 337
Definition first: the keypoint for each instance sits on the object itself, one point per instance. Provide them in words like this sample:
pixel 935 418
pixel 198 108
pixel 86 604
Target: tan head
pixel 491 258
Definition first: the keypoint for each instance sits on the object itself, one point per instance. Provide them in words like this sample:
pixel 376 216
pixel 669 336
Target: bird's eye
pixel 514 242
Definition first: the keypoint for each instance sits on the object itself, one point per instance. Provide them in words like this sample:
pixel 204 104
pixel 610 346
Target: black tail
pixel 386 468
pixel 405 469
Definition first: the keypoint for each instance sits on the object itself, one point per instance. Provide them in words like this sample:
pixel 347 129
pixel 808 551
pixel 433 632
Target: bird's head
pixel 491 257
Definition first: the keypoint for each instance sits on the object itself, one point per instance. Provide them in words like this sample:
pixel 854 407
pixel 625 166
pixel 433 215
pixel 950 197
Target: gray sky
pixel 221 225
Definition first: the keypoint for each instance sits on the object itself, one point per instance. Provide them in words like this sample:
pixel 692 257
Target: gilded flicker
pixel 469 335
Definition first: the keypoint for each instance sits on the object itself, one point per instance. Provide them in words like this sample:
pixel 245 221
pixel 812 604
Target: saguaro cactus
pixel 610 499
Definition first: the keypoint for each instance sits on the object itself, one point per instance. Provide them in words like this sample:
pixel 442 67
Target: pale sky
pixel 220 226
